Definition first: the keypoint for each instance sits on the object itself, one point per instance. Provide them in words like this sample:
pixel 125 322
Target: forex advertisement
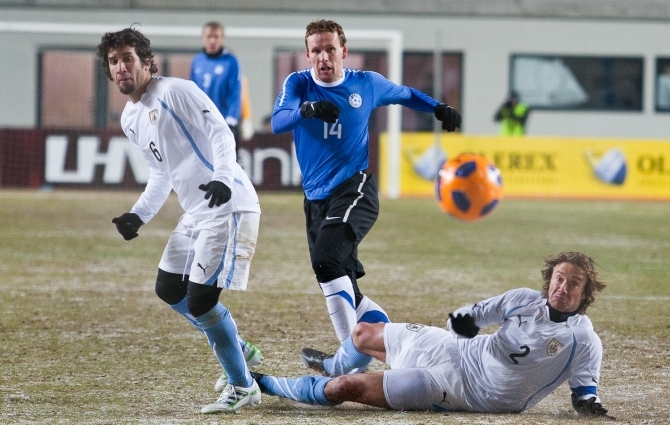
pixel 541 166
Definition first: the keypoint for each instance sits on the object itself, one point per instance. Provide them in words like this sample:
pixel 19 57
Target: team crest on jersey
pixel 218 70
pixel 355 100
pixel 554 347
pixel 415 327
pixel 153 117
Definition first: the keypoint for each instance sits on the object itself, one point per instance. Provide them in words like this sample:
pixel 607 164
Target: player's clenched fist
pixel 322 109
pixel 451 119
pixel 217 192
pixel 464 325
pixel 128 224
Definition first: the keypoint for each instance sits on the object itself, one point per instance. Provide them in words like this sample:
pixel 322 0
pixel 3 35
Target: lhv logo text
pixel 120 151
pixel 89 156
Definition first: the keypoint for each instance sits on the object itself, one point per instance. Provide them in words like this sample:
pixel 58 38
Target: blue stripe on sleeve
pixel 187 134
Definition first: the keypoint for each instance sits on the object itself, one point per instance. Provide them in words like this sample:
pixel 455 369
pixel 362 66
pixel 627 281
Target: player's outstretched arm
pixel 128 224
pixel 451 119
pixel 587 407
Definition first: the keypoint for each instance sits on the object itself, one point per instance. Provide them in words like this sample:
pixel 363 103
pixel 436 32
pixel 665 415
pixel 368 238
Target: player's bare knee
pixel 341 389
pixel 358 334
pixel 364 333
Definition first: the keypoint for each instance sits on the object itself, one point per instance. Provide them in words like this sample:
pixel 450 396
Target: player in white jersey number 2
pixel 190 149
pixel 544 339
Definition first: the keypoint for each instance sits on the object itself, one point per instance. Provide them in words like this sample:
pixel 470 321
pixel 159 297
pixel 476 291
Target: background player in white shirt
pixel 544 339
pixel 190 149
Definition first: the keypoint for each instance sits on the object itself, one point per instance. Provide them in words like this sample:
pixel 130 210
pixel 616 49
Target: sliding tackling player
pixel 545 339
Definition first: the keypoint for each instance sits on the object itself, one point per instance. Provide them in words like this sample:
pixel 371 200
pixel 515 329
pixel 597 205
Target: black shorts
pixel 354 202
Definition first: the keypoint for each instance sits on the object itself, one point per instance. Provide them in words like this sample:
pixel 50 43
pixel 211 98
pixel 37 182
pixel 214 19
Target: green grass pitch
pixel 84 339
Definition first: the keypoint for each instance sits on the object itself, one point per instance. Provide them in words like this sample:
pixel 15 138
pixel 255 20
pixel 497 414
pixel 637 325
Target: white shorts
pixel 425 372
pixel 216 251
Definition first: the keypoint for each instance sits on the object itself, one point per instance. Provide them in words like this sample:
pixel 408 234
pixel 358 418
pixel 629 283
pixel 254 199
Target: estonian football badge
pixel 153 117
pixel 355 100
pixel 554 347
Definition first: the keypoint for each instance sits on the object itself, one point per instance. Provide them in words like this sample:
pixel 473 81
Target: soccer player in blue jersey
pixel 544 339
pixel 328 108
pixel 219 74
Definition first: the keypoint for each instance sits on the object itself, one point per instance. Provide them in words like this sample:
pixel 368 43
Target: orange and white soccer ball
pixel 469 187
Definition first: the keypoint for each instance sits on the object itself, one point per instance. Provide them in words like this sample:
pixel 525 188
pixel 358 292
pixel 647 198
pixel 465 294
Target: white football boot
pixel 234 398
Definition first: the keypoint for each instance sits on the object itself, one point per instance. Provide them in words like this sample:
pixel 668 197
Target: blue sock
pixel 346 359
pixel 221 331
pixel 241 342
pixel 182 309
pixel 307 389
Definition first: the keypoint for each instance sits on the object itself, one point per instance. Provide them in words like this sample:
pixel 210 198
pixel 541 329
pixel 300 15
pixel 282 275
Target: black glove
pixel 464 325
pixel 128 224
pixel 322 109
pixel 587 407
pixel 217 192
pixel 451 119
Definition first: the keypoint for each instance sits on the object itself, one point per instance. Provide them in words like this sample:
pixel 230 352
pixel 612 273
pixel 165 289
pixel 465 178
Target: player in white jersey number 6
pixel 190 149
pixel 545 339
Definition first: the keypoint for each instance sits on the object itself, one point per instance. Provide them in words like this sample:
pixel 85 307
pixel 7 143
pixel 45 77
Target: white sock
pixel 370 312
pixel 339 295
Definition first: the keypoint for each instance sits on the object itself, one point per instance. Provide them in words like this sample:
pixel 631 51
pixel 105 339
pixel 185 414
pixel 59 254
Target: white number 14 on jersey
pixel 332 130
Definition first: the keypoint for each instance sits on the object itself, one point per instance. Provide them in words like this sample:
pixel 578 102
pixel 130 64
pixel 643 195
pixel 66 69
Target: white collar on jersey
pixel 321 83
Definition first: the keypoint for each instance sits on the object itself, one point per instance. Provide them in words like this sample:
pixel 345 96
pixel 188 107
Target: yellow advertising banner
pixel 541 166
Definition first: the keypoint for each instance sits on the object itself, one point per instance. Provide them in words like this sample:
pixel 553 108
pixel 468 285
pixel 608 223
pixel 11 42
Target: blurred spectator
pixel 512 116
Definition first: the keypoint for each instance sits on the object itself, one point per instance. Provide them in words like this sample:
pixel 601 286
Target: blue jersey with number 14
pixel 328 154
